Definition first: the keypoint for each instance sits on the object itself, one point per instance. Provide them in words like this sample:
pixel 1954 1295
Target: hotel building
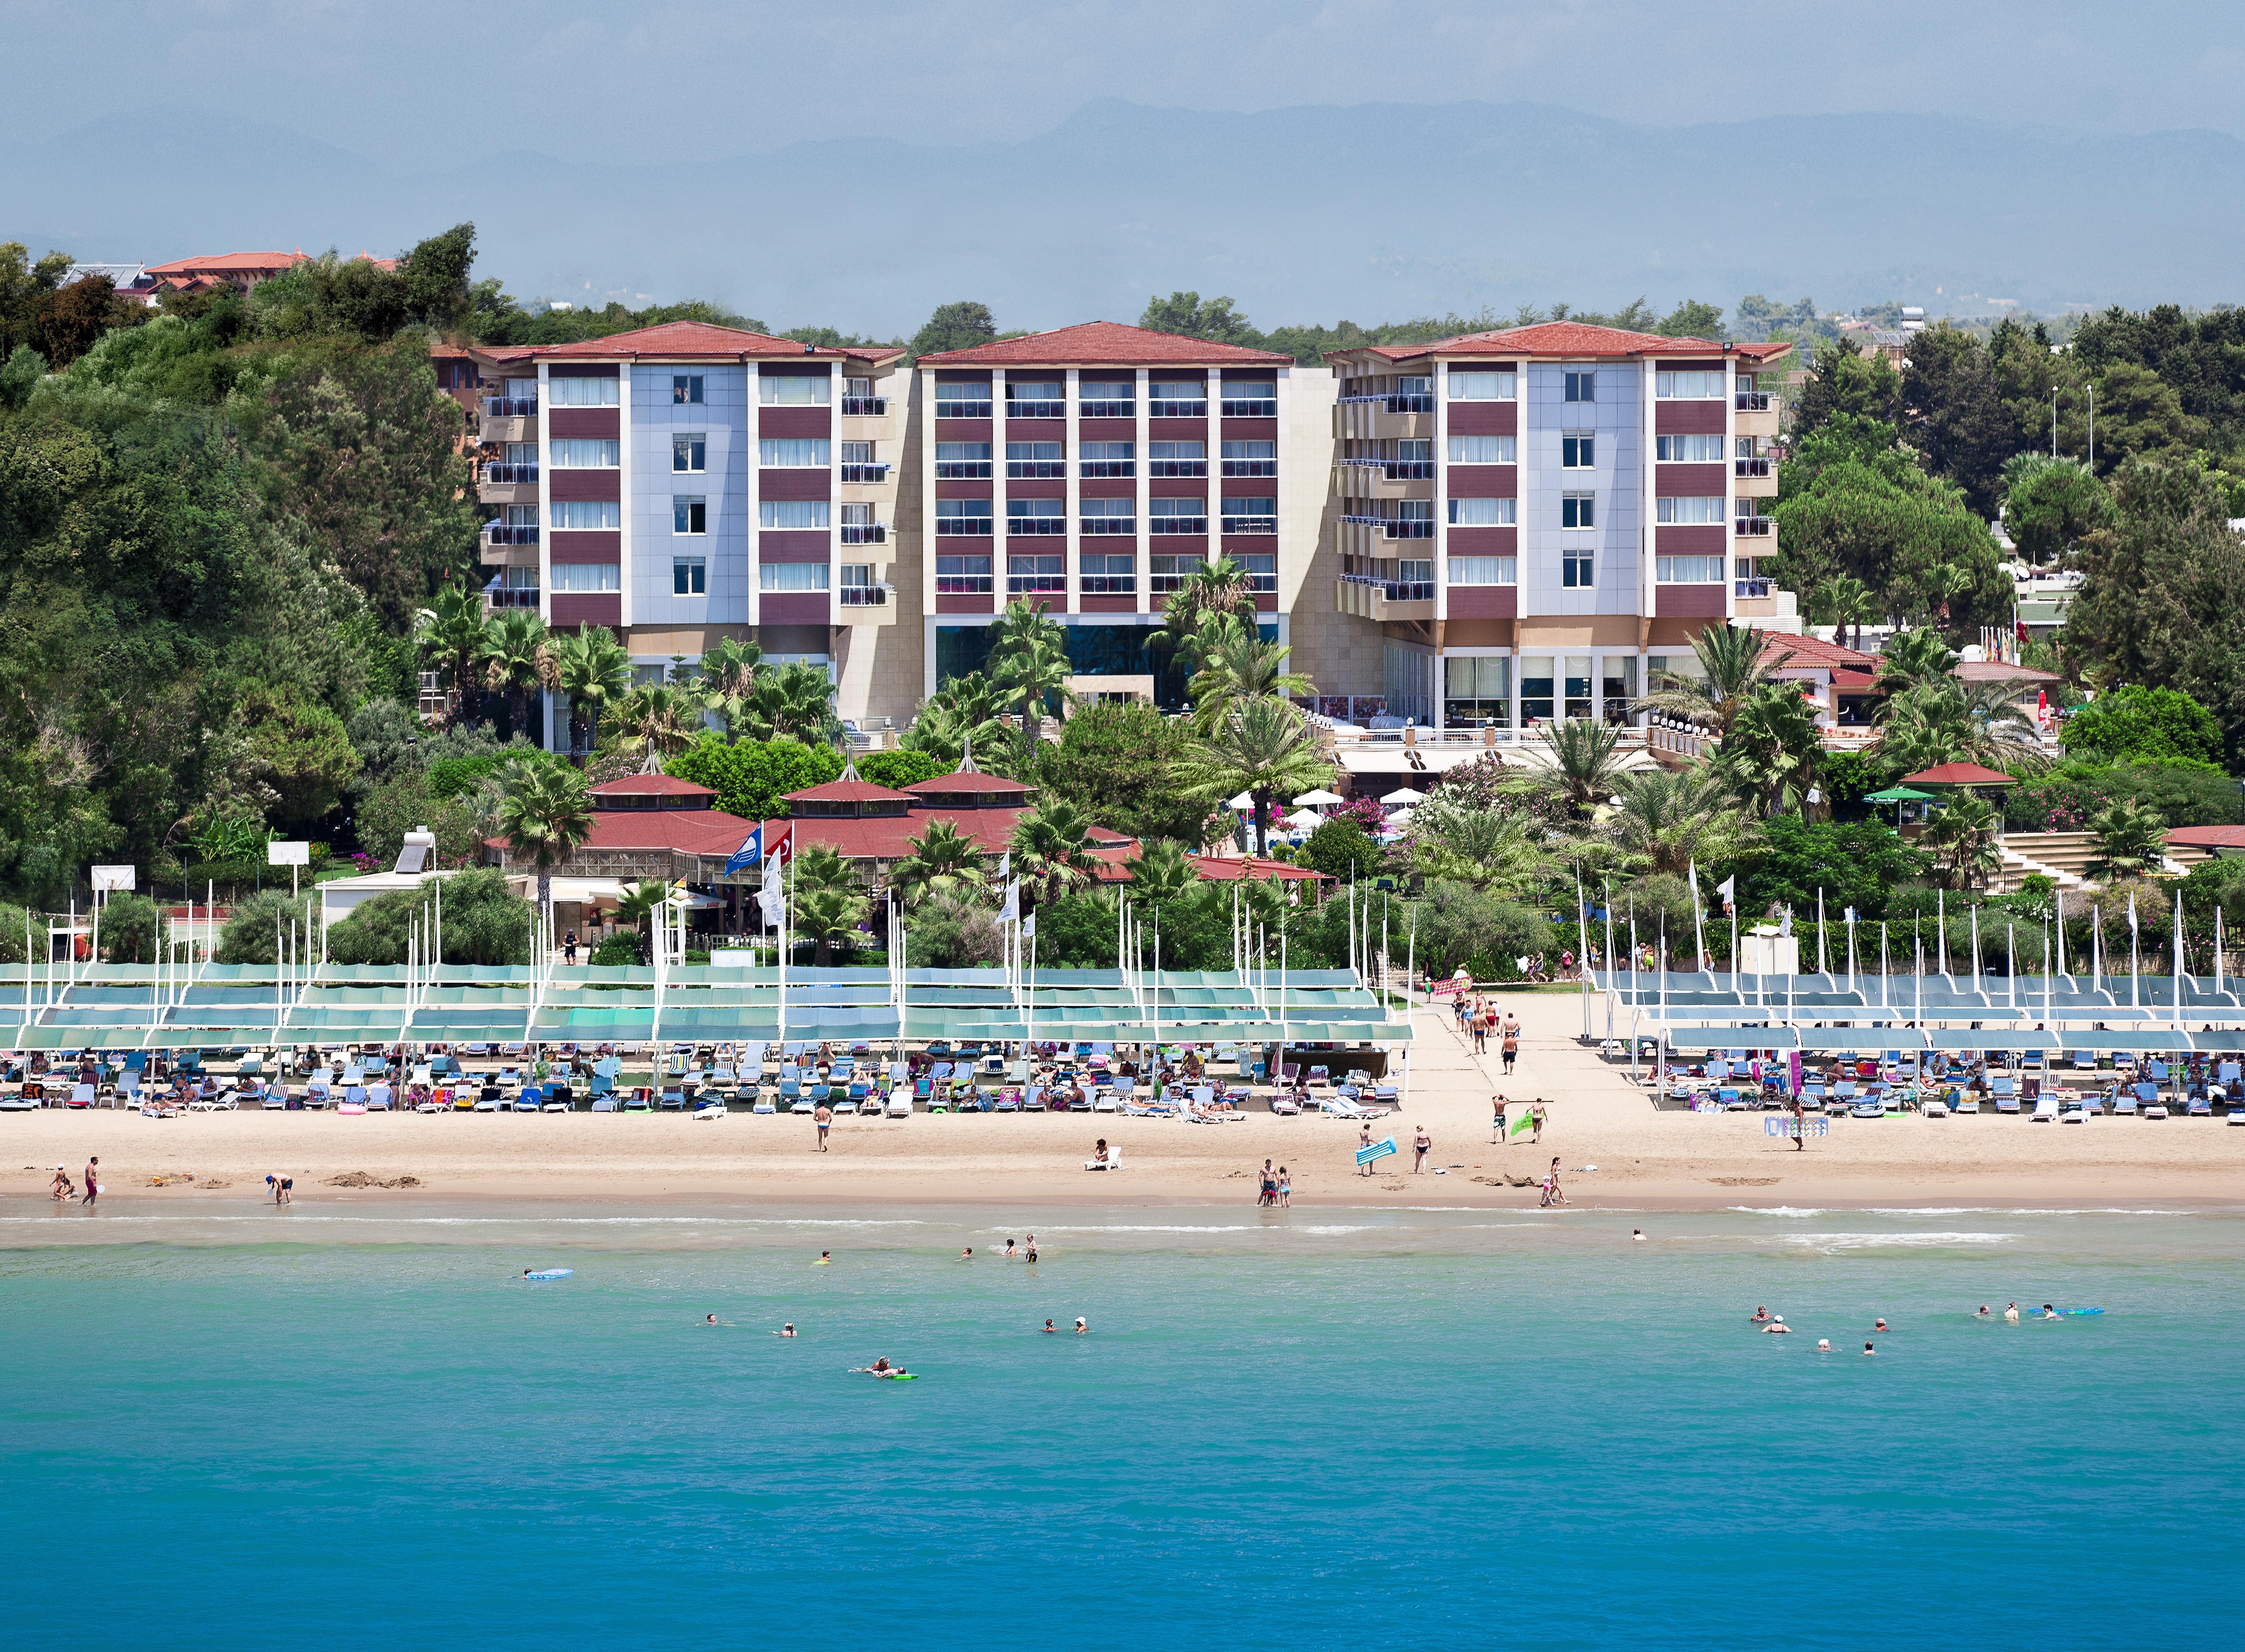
pixel 684 483
pixel 1091 469
pixel 1538 518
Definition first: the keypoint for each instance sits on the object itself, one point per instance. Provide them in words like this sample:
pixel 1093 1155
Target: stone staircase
pixel 2064 857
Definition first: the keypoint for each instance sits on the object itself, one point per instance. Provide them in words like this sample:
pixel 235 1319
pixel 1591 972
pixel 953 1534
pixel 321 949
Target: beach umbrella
pixel 1244 801
pixel 1320 799
pixel 1305 820
pixel 1404 797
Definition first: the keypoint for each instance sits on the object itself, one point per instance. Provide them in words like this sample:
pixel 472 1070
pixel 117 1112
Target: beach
pixel 1645 1158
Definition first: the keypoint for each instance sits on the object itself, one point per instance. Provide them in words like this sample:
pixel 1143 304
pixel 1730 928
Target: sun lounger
pixel 2046 1111
pixel 1112 1162
pixel 2200 1107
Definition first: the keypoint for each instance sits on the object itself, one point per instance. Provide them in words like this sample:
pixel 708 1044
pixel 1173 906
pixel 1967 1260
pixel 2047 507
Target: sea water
pixel 333 1426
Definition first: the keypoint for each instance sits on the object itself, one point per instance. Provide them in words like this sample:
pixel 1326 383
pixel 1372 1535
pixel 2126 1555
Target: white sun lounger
pixel 1113 1161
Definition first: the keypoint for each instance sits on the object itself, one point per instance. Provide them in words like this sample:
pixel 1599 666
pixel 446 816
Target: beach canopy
pixel 1404 795
pixel 1244 801
pixel 1305 820
pixel 1899 795
pixel 1320 799
pixel 1950 776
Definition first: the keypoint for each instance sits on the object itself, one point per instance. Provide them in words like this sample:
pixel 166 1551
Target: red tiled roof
pixel 696 831
pixel 954 781
pixel 1853 682
pixel 887 837
pixel 1229 869
pixel 1997 671
pixel 650 786
pixel 1551 338
pixel 1102 342
pixel 2209 837
pixel 1955 774
pixel 1769 350
pixel 227 261
pixel 848 791
pixel 693 340
pixel 1812 653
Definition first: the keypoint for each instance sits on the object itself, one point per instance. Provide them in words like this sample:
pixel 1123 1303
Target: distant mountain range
pixel 1378 212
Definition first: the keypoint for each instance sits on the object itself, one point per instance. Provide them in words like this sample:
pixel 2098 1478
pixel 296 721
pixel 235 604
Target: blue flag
pixel 747 853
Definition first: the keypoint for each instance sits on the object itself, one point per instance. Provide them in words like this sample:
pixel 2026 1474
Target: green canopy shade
pixel 1899 795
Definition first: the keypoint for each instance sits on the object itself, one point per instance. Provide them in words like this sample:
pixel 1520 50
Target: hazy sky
pixel 411 79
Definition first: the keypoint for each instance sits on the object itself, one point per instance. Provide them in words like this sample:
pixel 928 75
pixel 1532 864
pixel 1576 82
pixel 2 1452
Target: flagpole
pixel 1700 961
pixel 1821 968
pixel 1886 981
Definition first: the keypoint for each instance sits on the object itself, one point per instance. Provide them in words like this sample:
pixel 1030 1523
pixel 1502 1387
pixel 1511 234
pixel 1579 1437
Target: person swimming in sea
pixel 1051 1330
pixel 711 1320
pixel 788 1329
pixel 1868 1348
pixel 1760 1316
pixel 880 1367
pixel 1823 1344
pixel 2010 1313
pixel 1777 1327
pixel 1081 1328
pixel 1637 1234
pixel 967 1255
pixel 1984 1313
pixel 824 1258
pixel 1878 1324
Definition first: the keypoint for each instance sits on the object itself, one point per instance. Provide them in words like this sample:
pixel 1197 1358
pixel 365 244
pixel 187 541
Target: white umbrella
pixel 1404 797
pixel 1318 799
pixel 1305 820
pixel 1244 801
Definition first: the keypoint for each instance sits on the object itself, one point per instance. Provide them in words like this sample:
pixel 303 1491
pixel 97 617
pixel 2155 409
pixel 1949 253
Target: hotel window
pixel 856 576
pixel 581 453
pixel 1699 508
pixel 1251 516
pixel 1108 517
pixel 1168 573
pixel 793 453
pixel 1035 399
pixel 963 517
pixel 858 526
pixel 526 516
pixel 857 453
pixel 1483 449
pixel 1477 689
pixel 689 576
pixel 1484 387
pixel 1177 458
pixel 791 513
pixel 580 514
pixel 1535 686
pixel 580 392
pixel 858 464
pixel 1177 516
pixel 962 575
pixel 1109 459
pixel 687 389
pixel 1483 513
pixel 1106 398
pixel 1036 516
pixel 1176 399
pixel 586 576
pixel 1249 399
pixel 1617 686
pixel 1578 452
pixel 1688 387
pixel 1035 461
pixel 1108 573
pixel 1576 682
pixel 1687 570
pixel 689 452
pixel 962 461
pixel 1484 570
pixel 963 401
pixel 1578 510
pixel 1250 458
pixel 1576 571
pixel 1687 449
pixel 690 515
pixel 794 389
pixel 1036 575
pixel 1582 387
pixel 793 576
pixel 1261 568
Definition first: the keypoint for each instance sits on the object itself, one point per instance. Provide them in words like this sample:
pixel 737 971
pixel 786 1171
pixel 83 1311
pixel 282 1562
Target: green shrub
pixel 898 770
pixel 484 922
pixel 2142 724
pixel 752 777
pixel 618 952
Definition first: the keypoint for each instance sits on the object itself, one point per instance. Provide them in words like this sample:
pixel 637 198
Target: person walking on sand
pixel 1553 1194
pixel 1508 1045
pixel 1497 1105
pixel 824 1115
pixel 1536 1124
pixel 1420 1143
pixel 1363 1140
pixel 93 1182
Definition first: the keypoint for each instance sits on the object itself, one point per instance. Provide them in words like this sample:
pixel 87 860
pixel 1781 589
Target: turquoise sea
pixel 330 1426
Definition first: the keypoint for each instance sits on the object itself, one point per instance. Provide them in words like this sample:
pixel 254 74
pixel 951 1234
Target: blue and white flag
pixel 751 852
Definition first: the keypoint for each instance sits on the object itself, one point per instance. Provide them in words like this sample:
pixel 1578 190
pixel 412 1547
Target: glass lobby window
pixel 1536 684
pixel 1617 683
pixel 1579 685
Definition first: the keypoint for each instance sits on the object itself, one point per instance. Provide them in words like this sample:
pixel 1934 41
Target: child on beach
pixel 1286 1187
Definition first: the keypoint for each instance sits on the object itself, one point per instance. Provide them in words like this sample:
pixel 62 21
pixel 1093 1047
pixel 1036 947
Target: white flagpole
pixel 2011 964
pixel 1821 967
pixel 1699 959
pixel 1976 949
pixel 1886 980
pixel 2061 933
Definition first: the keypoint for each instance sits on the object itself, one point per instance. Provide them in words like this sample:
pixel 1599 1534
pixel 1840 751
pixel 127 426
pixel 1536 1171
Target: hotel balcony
pixel 1022 409
pixel 949 408
pixel 865 533
pixel 1755 535
pixel 1193 410
pixel 508 419
pixel 1387 527
pixel 497 484
pixel 1757 412
pixel 499 536
pixel 872 474
pixel 1255 407
pixel 1384 478
pixel 1376 418
pixel 864 407
pixel 1383 599
pixel 1754 478
pixel 1763 599
pixel 874 605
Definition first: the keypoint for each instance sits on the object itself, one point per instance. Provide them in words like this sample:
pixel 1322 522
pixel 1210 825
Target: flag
pixel 1005 865
pixel 1849 916
pixel 772 897
pixel 1728 888
pixel 750 851
pixel 1011 912
pixel 1029 927
pixel 2132 912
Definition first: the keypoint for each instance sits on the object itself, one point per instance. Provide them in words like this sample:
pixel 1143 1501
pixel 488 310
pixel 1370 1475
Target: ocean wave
pixel 1243 1227
pixel 1776 1210
pixel 299 1218
pixel 1831 1241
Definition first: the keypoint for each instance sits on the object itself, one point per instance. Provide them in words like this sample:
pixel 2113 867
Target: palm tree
pixel 546 814
pixel 944 862
pixel 1485 849
pixel 1237 664
pixel 593 671
pixel 730 668
pixel 1028 658
pixel 793 702
pixel 1911 660
pixel 1217 589
pixel 1049 853
pixel 1773 754
pixel 965 709
pixel 1964 837
pixel 514 661
pixel 665 720
pixel 451 630
pixel 1160 872
pixel 1735 661
pixel 1945 584
pixel 1848 601
pixel 822 866
pixel 1943 720
pixel 640 906
pixel 828 913
pixel 1671 819
pixel 1263 747
pixel 2131 839
pixel 1585 763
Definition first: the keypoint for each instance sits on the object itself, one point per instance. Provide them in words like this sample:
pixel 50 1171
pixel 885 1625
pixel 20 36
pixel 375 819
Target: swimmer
pixel 1030 1243
pixel 878 1368
pixel 1878 1324
pixel 788 1329
pixel 1009 1248
pixel 1984 1313
pixel 1823 1344
pixel 1777 1327
pixel 967 1255
pixel 1868 1348
pixel 824 1257
pixel 1760 1316
pixel 1051 1330
pixel 711 1320
pixel 1637 1234
pixel 2048 1312
pixel 1080 1326
pixel 2010 1313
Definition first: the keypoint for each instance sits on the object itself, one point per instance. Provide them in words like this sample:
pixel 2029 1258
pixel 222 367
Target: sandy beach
pixel 1645 1158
